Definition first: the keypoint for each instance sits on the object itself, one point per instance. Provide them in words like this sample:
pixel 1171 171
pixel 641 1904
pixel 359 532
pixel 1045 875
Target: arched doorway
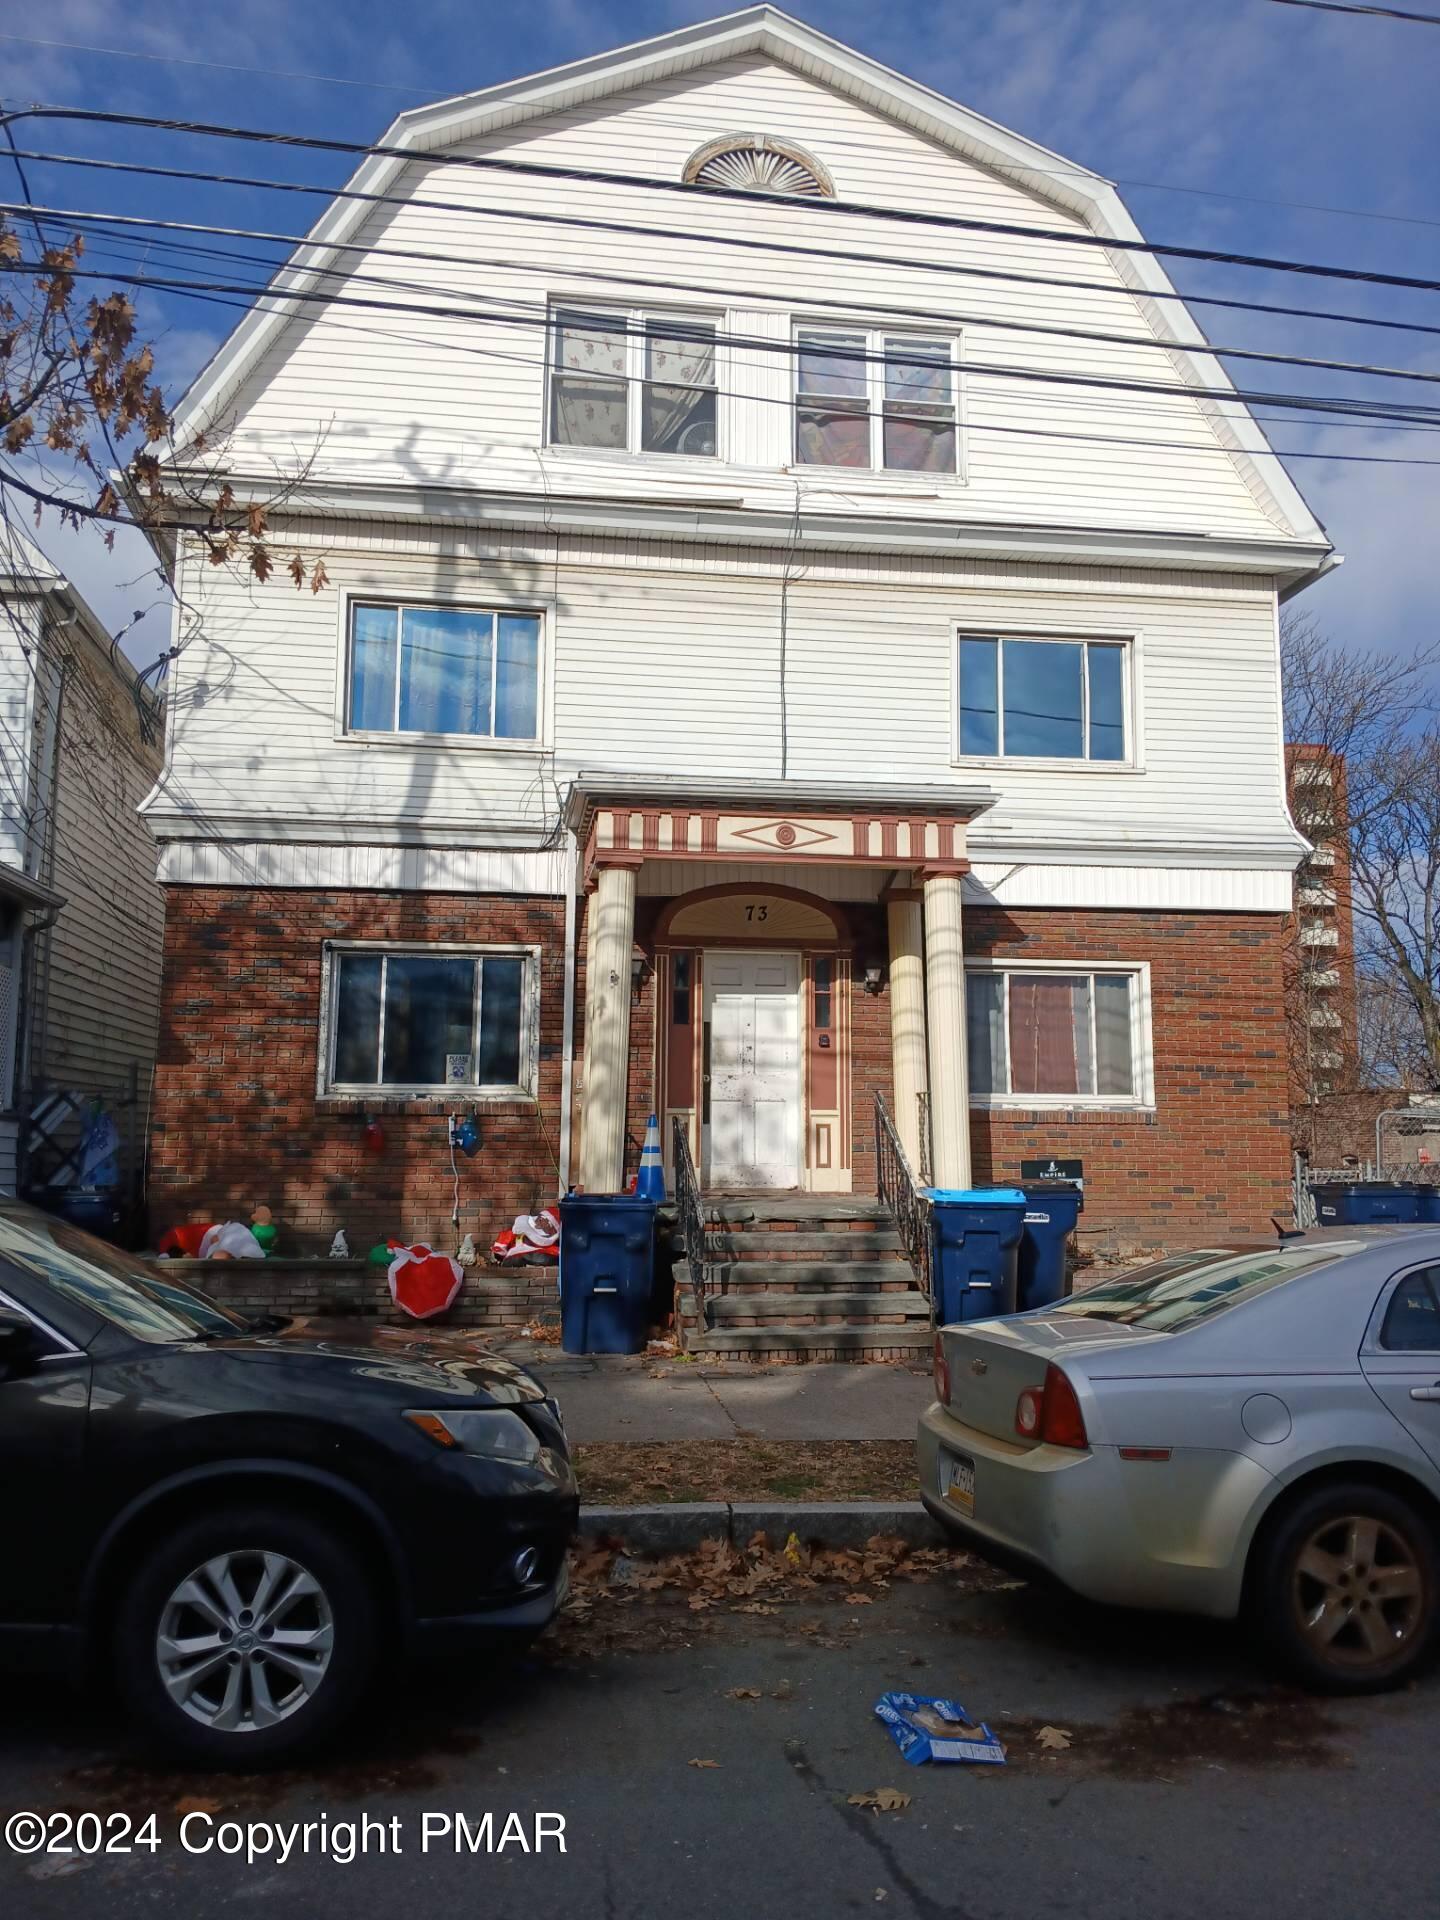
pixel 754 1035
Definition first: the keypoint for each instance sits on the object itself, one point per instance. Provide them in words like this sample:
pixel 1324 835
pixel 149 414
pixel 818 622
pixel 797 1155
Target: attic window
pixel 754 163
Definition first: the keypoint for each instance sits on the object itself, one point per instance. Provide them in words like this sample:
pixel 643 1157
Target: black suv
pixel 240 1519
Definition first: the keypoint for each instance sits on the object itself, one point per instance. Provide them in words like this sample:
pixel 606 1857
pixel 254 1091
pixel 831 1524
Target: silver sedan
pixel 1230 1431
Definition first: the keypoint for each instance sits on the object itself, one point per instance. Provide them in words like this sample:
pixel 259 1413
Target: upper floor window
pixel 869 398
pixel 632 381
pixel 445 670
pixel 1042 699
pixel 429 1019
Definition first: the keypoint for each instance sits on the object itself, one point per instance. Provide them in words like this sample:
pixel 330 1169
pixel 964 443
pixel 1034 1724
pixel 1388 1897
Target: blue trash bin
pixel 975 1239
pixel 1051 1209
pixel 607 1265
pixel 1367 1203
pixel 1428 1200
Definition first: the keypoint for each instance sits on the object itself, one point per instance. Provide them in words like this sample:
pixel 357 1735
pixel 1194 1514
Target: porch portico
pixel 746 897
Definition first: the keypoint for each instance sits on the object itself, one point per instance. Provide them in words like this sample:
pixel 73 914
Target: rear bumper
pixel 1132 1534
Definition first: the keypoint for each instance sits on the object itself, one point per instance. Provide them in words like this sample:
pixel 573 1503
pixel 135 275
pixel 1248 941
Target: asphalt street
pixel 1191 1784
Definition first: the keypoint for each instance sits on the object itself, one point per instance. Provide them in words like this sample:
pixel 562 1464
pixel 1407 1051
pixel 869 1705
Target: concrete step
pixel 761 1243
pixel 810 1211
pixel 801 1309
pixel 783 1276
pixel 910 1342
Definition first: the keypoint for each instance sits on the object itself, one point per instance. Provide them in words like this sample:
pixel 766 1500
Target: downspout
pixel 37 975
pixel 567 1062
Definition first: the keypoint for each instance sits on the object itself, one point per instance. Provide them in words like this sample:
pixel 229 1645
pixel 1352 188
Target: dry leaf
pixel 197 1803
pixel 879 1799
pixel 859 1600
pixel 742 1693
pixel 703 1763
pixel 1055 1738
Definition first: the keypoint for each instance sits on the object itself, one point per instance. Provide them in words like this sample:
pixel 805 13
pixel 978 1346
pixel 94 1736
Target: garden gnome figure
pixel 340 1246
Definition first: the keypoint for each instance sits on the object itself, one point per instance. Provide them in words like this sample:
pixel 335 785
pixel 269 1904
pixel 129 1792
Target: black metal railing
pixel 691 1216
pixel 900 1194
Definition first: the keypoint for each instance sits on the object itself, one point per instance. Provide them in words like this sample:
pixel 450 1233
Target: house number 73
pixel 756 910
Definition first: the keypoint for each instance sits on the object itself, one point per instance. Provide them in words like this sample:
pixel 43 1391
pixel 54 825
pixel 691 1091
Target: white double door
pixel 752 1007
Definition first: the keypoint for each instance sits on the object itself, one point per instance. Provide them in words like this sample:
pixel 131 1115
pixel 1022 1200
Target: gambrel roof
pixel 765 32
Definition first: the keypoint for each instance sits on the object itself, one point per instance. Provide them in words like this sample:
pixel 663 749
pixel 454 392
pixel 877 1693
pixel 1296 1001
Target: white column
pixel 907 1020
pixel 607 1033
pixel 945 1008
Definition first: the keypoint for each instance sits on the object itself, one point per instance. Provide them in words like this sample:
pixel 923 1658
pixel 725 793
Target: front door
pixel 752 1013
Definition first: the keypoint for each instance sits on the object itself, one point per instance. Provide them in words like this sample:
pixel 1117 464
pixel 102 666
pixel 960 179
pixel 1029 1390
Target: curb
pixel 682 1526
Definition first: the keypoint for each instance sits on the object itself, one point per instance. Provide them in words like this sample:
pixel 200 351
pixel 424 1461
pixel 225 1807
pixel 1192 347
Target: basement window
pixel 1058 1036
pixel 429 1019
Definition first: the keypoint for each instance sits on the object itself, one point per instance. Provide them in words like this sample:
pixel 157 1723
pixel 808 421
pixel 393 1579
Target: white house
pixel 799 623
pixel 81 917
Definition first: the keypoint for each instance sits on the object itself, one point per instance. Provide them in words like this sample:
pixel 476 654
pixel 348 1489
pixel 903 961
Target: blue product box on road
pixel 925 1728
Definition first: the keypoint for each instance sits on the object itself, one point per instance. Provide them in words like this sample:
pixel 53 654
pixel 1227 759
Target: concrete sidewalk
pixel 636 1397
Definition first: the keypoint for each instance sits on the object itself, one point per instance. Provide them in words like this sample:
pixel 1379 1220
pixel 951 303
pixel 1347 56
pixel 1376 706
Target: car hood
pixel 407 1356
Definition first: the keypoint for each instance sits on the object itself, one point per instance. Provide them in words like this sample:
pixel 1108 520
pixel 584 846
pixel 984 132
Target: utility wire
pixel 595 176
pixel 1381 13
pixel 1353 404
pixel 76 218
pixel 437 92
pixel 911 262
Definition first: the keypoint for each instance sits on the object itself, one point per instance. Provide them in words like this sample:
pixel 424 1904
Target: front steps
pixel 803 1278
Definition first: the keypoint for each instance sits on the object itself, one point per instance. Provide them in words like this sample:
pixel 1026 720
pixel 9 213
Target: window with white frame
pixel 447 670
pixel 632 381
pixel 429 1019
pixel 1033 697
pixel 873 398
pixel 1057 1036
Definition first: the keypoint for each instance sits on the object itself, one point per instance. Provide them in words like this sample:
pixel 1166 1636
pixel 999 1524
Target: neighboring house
pixel 1320 955
pixel 81 917
pixel 740 687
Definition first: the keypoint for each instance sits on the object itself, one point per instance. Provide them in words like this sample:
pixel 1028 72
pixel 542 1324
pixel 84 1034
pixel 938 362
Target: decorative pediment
pixel 754 163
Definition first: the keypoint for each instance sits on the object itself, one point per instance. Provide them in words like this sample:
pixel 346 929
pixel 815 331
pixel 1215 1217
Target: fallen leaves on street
pixel 1054 1738
pixel 703 1763
pixel 625 1473
pixel 615 1597
pixel 742 1693
pixel 880 1800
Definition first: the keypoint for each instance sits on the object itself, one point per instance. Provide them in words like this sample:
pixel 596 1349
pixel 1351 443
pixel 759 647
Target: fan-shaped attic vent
pixel 754 163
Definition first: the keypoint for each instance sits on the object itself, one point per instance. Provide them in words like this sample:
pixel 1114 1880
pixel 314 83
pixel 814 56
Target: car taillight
pixel 941 1371
pixel 1051 1414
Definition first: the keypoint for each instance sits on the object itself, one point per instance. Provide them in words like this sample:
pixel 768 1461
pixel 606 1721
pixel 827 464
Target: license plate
pixel 957 1480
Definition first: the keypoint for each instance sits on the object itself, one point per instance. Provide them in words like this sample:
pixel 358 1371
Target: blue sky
pixel 1253 102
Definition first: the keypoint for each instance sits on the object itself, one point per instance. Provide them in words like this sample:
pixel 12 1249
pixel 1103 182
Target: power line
pixel 438 91
pixel 908 315
pixel 910 216
pixel 530 215
pixel 1353 404
pixel 1381 13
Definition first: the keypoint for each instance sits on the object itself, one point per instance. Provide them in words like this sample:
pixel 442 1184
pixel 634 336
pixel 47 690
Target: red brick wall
pixel 236 1120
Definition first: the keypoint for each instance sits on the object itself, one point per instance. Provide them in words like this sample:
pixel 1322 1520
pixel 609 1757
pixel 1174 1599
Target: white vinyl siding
pixel 435 398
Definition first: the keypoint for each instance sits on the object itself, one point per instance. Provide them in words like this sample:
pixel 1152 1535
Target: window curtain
pixel 985 1032
pixel 680 380
pixel 1049 1034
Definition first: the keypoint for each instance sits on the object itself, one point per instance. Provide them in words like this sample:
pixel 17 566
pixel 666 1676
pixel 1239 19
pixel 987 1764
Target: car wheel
pixel 1347 1588
pixel 246 1635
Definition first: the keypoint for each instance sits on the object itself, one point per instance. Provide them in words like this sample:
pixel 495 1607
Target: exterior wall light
pixel 874 980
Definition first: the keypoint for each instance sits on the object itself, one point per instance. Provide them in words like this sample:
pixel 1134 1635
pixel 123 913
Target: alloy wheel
pixel 1358 1591
pixel 244 1640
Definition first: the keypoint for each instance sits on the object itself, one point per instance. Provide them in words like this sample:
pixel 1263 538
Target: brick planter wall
pixel 491 1297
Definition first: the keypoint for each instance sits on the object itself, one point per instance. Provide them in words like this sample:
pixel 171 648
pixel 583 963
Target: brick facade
pixel 237 1121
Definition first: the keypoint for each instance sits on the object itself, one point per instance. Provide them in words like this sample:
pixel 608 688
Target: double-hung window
pixel 632 381
pixel 429 1019
pixel 869 398
pixel 444 670
pixel 1057 1036
pixel 1042 699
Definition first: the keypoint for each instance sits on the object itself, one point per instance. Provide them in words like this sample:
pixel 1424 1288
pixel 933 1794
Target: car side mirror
pixel 17 1342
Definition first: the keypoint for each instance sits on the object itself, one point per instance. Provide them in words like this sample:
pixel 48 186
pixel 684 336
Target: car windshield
pixel 1180 1292
pixel 113 1284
